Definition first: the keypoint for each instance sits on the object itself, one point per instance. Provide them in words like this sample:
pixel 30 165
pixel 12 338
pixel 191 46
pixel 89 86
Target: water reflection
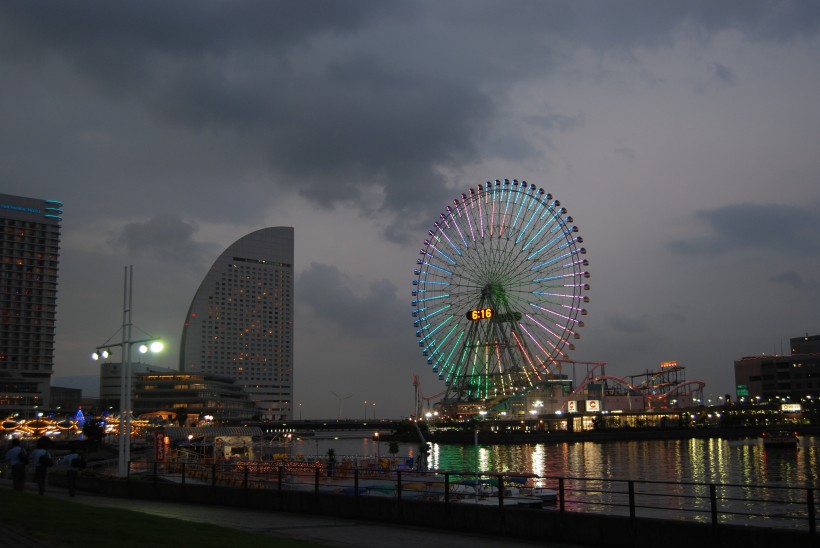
pixel 697 460
pixel 675 473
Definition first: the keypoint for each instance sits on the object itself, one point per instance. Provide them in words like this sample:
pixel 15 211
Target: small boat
pixel 779 437
pixel 546 495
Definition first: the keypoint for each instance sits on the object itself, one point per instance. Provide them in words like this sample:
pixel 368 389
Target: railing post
pixel 279 478
pixel 356 483
pixel 631 500
pixel 183 473
pixel 398 485
pixel 446 488
pixel 561 506
pixel 501 492
pixel 713 503
pixel 213 475
pixel 810 508
pixel 156 474
pixel 245 477
pixel 316 481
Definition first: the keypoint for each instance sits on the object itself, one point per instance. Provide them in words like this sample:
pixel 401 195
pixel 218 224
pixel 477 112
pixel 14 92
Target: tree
pixel 331 461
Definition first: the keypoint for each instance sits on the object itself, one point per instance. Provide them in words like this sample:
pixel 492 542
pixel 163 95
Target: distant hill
pixel 89 384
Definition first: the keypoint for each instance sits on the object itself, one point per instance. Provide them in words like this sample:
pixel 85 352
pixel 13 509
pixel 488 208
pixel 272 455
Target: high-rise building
pixel 794 376
pixel 30 248
pixel 240 323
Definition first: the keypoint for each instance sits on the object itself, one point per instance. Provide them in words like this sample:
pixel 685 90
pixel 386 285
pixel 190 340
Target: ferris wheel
pixel 498 291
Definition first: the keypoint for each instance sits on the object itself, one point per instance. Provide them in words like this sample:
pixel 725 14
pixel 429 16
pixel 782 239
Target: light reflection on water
pixel 697 460
pixel 678 462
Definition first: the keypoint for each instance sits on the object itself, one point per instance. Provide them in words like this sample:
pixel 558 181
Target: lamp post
pixel 104 351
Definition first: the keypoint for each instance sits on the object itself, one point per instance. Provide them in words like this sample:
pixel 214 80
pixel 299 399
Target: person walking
pixel 73 463
pixel 17 458
pixel 42 462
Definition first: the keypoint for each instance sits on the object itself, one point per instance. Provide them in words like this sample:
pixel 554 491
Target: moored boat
pixel 779 437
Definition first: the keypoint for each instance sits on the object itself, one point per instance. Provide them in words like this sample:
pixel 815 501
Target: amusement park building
pixel 240 323
pixel 30 246
pixel 792 376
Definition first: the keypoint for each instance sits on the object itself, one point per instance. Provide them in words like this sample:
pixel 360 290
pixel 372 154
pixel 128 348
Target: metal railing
pixel 775 506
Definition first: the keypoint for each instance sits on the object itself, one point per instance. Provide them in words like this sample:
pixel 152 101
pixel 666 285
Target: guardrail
pixel 774 506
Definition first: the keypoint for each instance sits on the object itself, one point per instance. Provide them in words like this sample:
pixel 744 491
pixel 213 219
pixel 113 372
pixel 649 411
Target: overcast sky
pixel 682 137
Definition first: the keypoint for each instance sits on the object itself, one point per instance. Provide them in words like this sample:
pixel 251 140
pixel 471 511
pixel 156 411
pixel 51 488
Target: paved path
pixel 326 531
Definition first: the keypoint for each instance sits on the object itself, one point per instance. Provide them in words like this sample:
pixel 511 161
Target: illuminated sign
pixel 480 314
pixel 790 408
pixel 159 445
pixel 669 364
pixel 593 406
pixel 572 406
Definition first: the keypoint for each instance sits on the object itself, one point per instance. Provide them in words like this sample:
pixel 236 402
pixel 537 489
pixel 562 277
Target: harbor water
pixel 711 460
pixel 764 486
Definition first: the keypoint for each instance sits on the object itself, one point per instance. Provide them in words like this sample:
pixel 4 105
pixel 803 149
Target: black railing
pixel 765 505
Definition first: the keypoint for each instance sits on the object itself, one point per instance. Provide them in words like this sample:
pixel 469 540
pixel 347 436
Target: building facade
pixel 240 322
pixel 111 377
pixel 196 396
pixel 30 250
pixel 794 376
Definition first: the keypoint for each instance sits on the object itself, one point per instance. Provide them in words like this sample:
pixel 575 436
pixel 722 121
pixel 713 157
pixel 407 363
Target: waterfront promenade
pixel 319 529
pixel 344 520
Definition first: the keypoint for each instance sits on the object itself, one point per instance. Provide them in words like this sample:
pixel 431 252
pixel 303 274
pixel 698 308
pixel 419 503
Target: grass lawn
pixel 68 523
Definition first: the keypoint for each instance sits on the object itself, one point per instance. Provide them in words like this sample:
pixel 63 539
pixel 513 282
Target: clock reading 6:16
pixel 480 314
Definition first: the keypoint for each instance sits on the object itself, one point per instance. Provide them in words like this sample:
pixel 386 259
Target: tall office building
pixel 30 247
pixel 240 323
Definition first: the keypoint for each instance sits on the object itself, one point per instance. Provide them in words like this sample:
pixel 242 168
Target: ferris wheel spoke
pixel 498 290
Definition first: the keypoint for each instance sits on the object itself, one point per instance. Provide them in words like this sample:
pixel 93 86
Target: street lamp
pixel 104 351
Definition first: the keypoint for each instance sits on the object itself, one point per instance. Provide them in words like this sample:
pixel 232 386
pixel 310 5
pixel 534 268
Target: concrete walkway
pixel 326 531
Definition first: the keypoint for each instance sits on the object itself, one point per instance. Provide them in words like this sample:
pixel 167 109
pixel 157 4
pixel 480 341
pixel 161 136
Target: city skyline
pixel 680 137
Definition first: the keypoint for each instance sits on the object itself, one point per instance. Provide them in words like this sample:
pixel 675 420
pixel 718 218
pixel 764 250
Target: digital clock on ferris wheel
pixel 480 314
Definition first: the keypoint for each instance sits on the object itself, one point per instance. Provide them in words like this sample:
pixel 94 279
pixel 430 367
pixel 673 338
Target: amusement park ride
pixel 498 293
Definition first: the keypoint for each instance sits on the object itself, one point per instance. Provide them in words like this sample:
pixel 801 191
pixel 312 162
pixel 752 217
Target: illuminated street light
pixel 103 351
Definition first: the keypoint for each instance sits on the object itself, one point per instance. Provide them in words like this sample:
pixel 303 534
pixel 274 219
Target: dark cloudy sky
pixel 681 136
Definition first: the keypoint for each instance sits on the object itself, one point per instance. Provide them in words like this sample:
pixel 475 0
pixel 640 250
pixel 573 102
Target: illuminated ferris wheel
pixel 498 291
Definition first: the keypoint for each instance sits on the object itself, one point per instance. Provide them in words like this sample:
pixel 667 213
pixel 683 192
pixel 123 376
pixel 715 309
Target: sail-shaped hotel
pixel 240 323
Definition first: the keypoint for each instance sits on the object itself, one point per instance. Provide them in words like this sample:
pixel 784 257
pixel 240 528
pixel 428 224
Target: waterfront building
pixel 791 376
pixel 807 344
pixel 29 246
pixel 240 322
pixel 110 379
pixel 65 401
pixel 195 395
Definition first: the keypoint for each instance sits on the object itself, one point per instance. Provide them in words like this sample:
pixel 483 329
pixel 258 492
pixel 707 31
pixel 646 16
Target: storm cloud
pixel 680 136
